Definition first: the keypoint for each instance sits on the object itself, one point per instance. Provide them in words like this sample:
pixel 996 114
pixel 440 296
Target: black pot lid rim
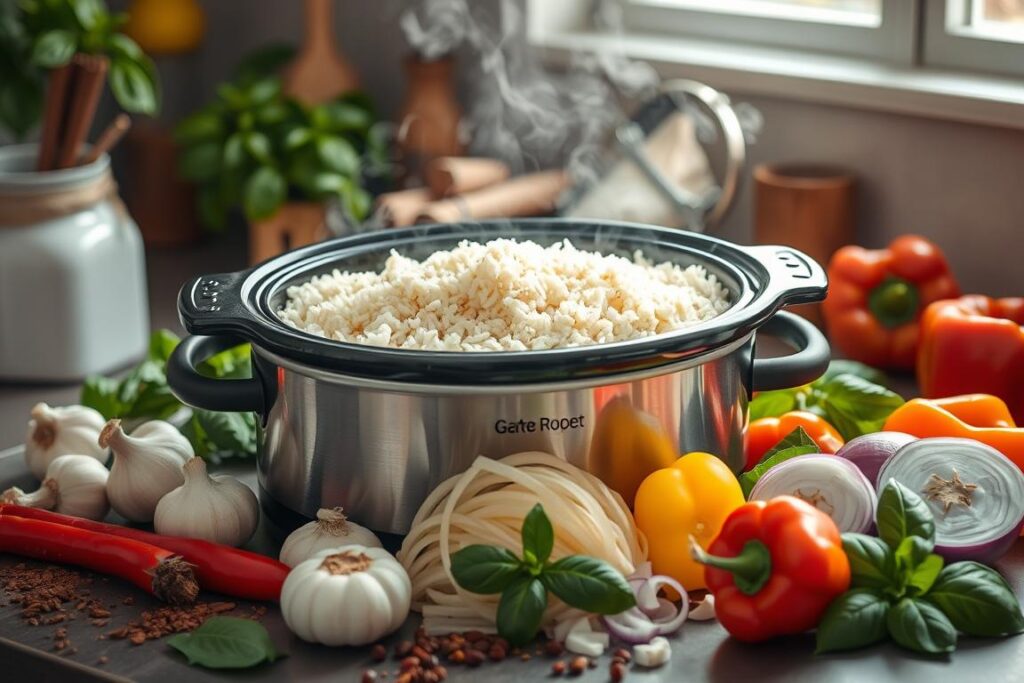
pixel 765 278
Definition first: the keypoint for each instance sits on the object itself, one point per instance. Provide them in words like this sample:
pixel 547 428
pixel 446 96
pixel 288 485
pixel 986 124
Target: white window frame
pixel 949 43
pixel 893 39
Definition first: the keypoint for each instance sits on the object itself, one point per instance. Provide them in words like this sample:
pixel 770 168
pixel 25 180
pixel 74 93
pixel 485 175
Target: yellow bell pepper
pixel 628 445
pixel 691 498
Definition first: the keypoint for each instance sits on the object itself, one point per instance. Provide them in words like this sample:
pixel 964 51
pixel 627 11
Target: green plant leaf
pixel 356 202
pixel 121 45
pixel 852 367
pixel 260 64
pixel 297 137
pixel 337 155
pixel 54 48
pixel 161 344
pixel 89 13
pixel 133 86
pixel 201 162
pixel 338 117
pixel 858 405
pixel 263 91
pixel 264 193
pixel 235 363
pixel 772 403
pixel 521 610
pixel 977 600
pixel 588 584
pixel 486 569
pixel 538 537
pixel 855 619
pixel 920 626
pixel 258 145
pixel 795 443
pixel 205 125
pixel 233 433
pixel 902 513
pixel 226 643
pixel 923 576
pixel 872 562
pixel 234 155
pixel 101 394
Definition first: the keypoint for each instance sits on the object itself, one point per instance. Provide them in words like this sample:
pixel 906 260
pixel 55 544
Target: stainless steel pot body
pixel 378 450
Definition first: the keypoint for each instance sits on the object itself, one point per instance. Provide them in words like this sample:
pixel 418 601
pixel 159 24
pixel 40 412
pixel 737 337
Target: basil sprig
pixel 797 442
pixel 586 583
pixel 900 589
pixel 851 396
pixel 226 643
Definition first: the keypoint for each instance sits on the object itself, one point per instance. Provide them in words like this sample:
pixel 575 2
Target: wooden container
pixel 806 206
pixel 430 114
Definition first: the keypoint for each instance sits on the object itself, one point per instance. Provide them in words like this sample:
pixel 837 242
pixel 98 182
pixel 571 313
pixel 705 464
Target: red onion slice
pixel 833 485
pixel 979 523
pixel 653 616
pixel 870 451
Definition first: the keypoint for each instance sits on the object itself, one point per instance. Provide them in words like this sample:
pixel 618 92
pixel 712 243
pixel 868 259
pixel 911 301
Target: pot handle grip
pixel 803 367
pixel 200 391
pixel 212 304
pixel 796 278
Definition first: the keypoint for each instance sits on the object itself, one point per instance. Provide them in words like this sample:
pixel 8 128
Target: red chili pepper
pixel 153 569
pixel 219 568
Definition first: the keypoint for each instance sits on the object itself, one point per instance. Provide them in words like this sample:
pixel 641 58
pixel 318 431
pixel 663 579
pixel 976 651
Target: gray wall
pixel 961 185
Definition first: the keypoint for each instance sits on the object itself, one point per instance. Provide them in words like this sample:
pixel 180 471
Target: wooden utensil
pixel 449 176
pixel 56 105
pixel 399 209
pixel 319 73
pixel 110 136
pixel 88 75
pixel 805 206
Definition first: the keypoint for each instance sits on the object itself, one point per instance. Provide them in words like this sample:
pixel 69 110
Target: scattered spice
pixel 164 621
pixel 622 653
pixel 578 666
pixel 617 672
pixel 378 653
pixel 369 676
pixel 558 668
pixel 554 648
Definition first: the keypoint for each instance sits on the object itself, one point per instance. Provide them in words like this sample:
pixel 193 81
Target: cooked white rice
pixel 505 296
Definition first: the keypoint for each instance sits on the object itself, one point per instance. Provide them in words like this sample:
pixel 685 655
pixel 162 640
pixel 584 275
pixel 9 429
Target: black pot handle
pixel 213 304
pixel 200 391
pixel 806 365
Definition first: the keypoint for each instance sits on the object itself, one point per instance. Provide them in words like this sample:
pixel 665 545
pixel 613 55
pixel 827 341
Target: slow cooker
pixel 374 430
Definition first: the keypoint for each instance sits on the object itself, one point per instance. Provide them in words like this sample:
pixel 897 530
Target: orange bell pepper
pixel 764 434
pixel 976 416
pixel 691 498
pixel 876 297
pixel 974 344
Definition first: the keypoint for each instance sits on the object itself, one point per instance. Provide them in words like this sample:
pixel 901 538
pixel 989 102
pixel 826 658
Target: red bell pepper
pixel 876 297
pixel 219 568
pixel 971 345
pixel 764 434
pixel 774 568
pixel 155 570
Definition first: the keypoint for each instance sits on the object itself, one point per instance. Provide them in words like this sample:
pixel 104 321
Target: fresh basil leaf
pixel 857 404
pixel 920 626
pixel 264 193
pixel 337 154
pixel 343 116
pixel 872 562
pixel 101 394
pixel 297 137
pixel 538 537
pixel 795 444
pixel 89 13
pixel 923 576
pixel 588 584
pixel 854 620
pixel 133 86
pixel 852 367
pixel 235 363
pixel 357 202
pixel 227 433
pixel 161 344
pixel 486 569
pixel 902 513
pixel 911 551
pixel 258 145
pixel 977 600
pixel 226 643
pixel 54 48
pixel 521 610
pixel 772 403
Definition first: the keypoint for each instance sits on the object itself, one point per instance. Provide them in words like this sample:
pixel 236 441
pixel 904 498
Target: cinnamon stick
pixel 110 136
pixel 88 76
pixel 53 116
pixel 449 176
pixel 532 194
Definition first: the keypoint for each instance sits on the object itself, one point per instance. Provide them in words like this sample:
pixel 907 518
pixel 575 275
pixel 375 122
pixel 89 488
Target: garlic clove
pixel 215 508
pixel 147 465
pixel 53 432
pixel 74 485
pixel 330 530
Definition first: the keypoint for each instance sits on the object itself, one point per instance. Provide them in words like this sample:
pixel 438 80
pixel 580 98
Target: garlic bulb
pixel 218 508
pixel 74 485
pixel 351 595
pixel 330 530
pixel 147 466
pixel 53 432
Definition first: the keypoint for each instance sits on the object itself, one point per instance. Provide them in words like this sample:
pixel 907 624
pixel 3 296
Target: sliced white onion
pixel 705 609
pixel 986 528
pixel 590 643
pixel 653 616
pixel 833 485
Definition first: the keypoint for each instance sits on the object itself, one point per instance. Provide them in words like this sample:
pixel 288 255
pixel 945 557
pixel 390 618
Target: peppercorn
pixel 457 657
pixel 497 652
pixel 554 648
pixel 578 666
pixel 558 668
pixel 402 649
pixel 378 653
pixel 617 672
pixel 623 654
pixel 410 663
pixel 475 658
pixel 369 676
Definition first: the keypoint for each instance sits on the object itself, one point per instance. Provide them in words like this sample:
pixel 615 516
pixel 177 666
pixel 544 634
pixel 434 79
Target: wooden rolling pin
pixel 526 195
pixel 450 176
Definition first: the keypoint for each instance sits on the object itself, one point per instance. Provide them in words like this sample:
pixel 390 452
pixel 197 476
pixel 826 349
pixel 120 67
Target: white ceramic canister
pixel 73 297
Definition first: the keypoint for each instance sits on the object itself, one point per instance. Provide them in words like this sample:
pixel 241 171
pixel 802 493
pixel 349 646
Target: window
pixel 986 35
